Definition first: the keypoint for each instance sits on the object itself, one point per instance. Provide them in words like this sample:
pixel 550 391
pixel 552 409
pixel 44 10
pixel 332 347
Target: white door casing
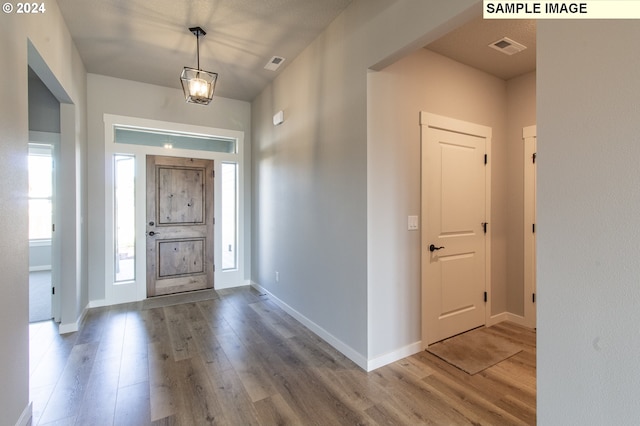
pixel 530 147
pixel 134 290
pixel 455 212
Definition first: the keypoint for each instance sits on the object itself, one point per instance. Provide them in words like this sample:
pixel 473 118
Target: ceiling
pixel 149 40
pixel 468 44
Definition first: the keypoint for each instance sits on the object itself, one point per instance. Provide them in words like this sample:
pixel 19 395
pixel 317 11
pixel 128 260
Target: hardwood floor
pixel 241 360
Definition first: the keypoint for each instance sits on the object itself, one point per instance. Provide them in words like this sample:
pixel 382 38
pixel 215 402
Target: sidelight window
pixel 229 216
pixel 124 203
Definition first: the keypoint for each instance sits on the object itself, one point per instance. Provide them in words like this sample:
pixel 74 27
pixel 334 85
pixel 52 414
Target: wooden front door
pixel 454 259
pixel 179 225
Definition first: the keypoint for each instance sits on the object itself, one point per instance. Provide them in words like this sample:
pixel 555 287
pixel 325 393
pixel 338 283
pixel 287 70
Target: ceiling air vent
pixel 507 46
pixel 274 63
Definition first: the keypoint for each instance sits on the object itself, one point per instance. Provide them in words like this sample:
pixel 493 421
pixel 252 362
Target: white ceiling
pixel 468 44
pixel 149 40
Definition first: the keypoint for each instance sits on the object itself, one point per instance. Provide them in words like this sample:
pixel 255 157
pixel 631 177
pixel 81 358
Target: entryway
pixel 175 216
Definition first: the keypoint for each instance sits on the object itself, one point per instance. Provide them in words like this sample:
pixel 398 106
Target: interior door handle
pixel 152 233
pixel 434 248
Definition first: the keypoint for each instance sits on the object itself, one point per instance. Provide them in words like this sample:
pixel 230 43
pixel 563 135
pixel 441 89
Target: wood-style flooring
pixel 240 360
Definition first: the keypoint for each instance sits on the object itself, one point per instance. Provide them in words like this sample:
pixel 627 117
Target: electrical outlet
pixel 277 276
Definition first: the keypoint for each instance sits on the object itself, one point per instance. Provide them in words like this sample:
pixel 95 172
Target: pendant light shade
pixel 198 85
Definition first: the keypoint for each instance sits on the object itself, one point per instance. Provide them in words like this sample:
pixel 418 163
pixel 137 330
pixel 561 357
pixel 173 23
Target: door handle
pixel 152 233
pixel 434 248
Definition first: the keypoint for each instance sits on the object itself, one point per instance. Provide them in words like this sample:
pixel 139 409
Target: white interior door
pixel 455 182
pixel 530 148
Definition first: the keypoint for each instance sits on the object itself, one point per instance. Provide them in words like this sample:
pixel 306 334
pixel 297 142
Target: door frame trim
pixel 132 291
pixel 529 135
pixel 447 123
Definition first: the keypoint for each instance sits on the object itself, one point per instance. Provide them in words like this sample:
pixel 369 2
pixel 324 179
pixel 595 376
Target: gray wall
pixel 43 42
pixel 521 112
pixel 422 81
pixel 310 174
pixel 40 257
pixel 44 108
pixel 589 226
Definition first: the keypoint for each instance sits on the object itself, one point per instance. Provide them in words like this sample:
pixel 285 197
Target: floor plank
pixel 236 358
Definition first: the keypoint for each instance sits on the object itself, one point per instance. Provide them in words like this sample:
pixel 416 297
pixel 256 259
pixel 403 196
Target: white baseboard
pixel 97 303
pixel 517 319
pixel 25 417
pixel 507 316
pixel 39 268
pixel 394 356
pixel 240 284
pixel 343 348
pixel 72 327
pixel 495 319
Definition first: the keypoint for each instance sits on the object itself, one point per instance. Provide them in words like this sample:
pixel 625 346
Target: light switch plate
pixel 412 223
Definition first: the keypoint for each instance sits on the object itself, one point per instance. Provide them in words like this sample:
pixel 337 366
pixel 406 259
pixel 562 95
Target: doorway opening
pixel 40 163
pixel 44 142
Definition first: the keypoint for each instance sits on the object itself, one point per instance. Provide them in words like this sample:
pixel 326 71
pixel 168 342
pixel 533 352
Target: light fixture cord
pixel 198 47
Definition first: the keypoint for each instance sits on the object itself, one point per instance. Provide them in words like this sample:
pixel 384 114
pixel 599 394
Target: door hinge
pixel 53 227
pixel 486 159
pixel 53 290
pixel 533 297
pixel 484 226
pixel 533 228
pixel 533 157
pixel 213 173
pixel 485 297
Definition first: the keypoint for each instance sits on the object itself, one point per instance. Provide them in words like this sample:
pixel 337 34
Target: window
pixel 229 216
pixel 40 164
pixel 175 140
pixel 125 236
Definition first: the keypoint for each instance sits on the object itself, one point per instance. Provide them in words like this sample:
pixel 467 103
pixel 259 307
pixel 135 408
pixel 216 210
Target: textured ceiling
pixel 468 44
pixel 149 41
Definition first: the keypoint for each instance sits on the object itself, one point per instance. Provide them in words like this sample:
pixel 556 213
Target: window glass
pixel 135 136
pixel 40 162
pixel 229 215
pixel 124 177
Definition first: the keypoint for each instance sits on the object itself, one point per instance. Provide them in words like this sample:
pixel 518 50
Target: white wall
pixel 310 174
pixel 422 81
pixel 107 95
pixel 58 65
pixel 589 226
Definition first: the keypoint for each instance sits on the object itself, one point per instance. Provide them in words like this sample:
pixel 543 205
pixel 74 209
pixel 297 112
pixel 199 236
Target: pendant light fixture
pixel 198 85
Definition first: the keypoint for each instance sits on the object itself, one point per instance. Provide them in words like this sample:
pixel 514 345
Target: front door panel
pixel 179 225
